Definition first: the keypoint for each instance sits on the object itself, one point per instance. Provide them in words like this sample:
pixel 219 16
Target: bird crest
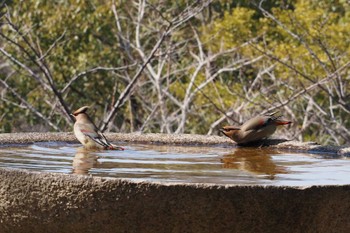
pixel 81 110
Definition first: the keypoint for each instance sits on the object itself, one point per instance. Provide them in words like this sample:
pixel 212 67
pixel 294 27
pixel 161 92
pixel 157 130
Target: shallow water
pixel 160 163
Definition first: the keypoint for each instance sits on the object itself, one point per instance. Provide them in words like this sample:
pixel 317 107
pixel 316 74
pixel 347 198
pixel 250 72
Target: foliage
pixel 209 65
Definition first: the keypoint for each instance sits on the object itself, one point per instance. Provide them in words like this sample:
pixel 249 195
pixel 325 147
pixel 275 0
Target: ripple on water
pixel 162 163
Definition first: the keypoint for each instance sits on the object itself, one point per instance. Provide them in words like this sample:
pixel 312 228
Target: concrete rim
pixel 173 139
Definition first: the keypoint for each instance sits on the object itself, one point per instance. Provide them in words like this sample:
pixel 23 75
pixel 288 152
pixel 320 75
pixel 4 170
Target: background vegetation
pixel 176 66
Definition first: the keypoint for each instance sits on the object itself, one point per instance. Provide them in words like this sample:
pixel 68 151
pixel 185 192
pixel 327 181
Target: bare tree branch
pixel 295 96
pixel 127 90
pixel 53 45
pixel 92 70
pixel 186 15
pixel 40 64
pixel 29 106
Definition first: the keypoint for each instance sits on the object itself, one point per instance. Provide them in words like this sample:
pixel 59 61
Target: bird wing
pixel 255 123
pixel 273 115
pixel 260 122
pixel 92 132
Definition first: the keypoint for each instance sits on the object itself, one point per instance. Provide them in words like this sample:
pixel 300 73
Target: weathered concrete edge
pixel 47 202
pixel 174 139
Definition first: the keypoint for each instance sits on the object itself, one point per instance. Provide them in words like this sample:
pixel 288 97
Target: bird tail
pixel 114 147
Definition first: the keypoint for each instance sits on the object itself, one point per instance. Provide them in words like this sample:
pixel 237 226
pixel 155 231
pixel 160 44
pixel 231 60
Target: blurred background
pixel 176 66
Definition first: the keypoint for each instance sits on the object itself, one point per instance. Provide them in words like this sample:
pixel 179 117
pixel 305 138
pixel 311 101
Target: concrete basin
pixel 49 202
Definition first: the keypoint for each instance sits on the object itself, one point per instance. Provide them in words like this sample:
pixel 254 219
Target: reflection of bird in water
pixel 257 161
pixel 83 161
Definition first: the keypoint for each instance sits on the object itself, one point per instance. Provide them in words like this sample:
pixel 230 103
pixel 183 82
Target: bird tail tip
pixel 114 147
pixel 283 122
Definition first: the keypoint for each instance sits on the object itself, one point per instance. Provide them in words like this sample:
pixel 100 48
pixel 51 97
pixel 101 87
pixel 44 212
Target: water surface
pixel 168 163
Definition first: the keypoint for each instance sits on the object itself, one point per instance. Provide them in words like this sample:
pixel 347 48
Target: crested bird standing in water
pixel 88 134
pixel 255 129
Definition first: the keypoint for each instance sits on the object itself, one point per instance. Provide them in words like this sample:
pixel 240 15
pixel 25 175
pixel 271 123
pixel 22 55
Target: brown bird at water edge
pixel 255 129
pixel 88 134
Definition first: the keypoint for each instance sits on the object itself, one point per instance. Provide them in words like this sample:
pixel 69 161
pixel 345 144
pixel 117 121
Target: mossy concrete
pixel 48 202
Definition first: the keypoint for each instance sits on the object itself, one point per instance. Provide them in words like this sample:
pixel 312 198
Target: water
pixel 155 163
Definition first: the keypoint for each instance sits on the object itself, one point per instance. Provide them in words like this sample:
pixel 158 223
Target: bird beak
pixel 224 132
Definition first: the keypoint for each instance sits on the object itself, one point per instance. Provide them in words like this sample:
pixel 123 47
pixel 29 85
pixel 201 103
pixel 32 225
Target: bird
pixel 88 134
pixel 255 129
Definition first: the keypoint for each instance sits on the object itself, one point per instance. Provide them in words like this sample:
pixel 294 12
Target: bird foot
pixel 115 148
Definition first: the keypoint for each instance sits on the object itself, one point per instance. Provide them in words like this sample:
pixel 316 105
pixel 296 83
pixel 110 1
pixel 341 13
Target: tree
pixel 304 69
pixel 176 67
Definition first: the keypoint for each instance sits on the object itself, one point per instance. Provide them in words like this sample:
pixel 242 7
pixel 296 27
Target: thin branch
pixel 23 66
pixel 92 70
pixel 288 66
pixel 222 70
pixel 29 106
pixel 305 90
pixel 127 90
pixel 148 118
pixel 182 18
pixel 294 35
pixel 43 67
pixel 190 12
pixel 52 46
pixel 226 116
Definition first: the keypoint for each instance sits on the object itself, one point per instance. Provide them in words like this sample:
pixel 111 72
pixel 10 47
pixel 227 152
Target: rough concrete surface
pixel 47 202
pixel 44 202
